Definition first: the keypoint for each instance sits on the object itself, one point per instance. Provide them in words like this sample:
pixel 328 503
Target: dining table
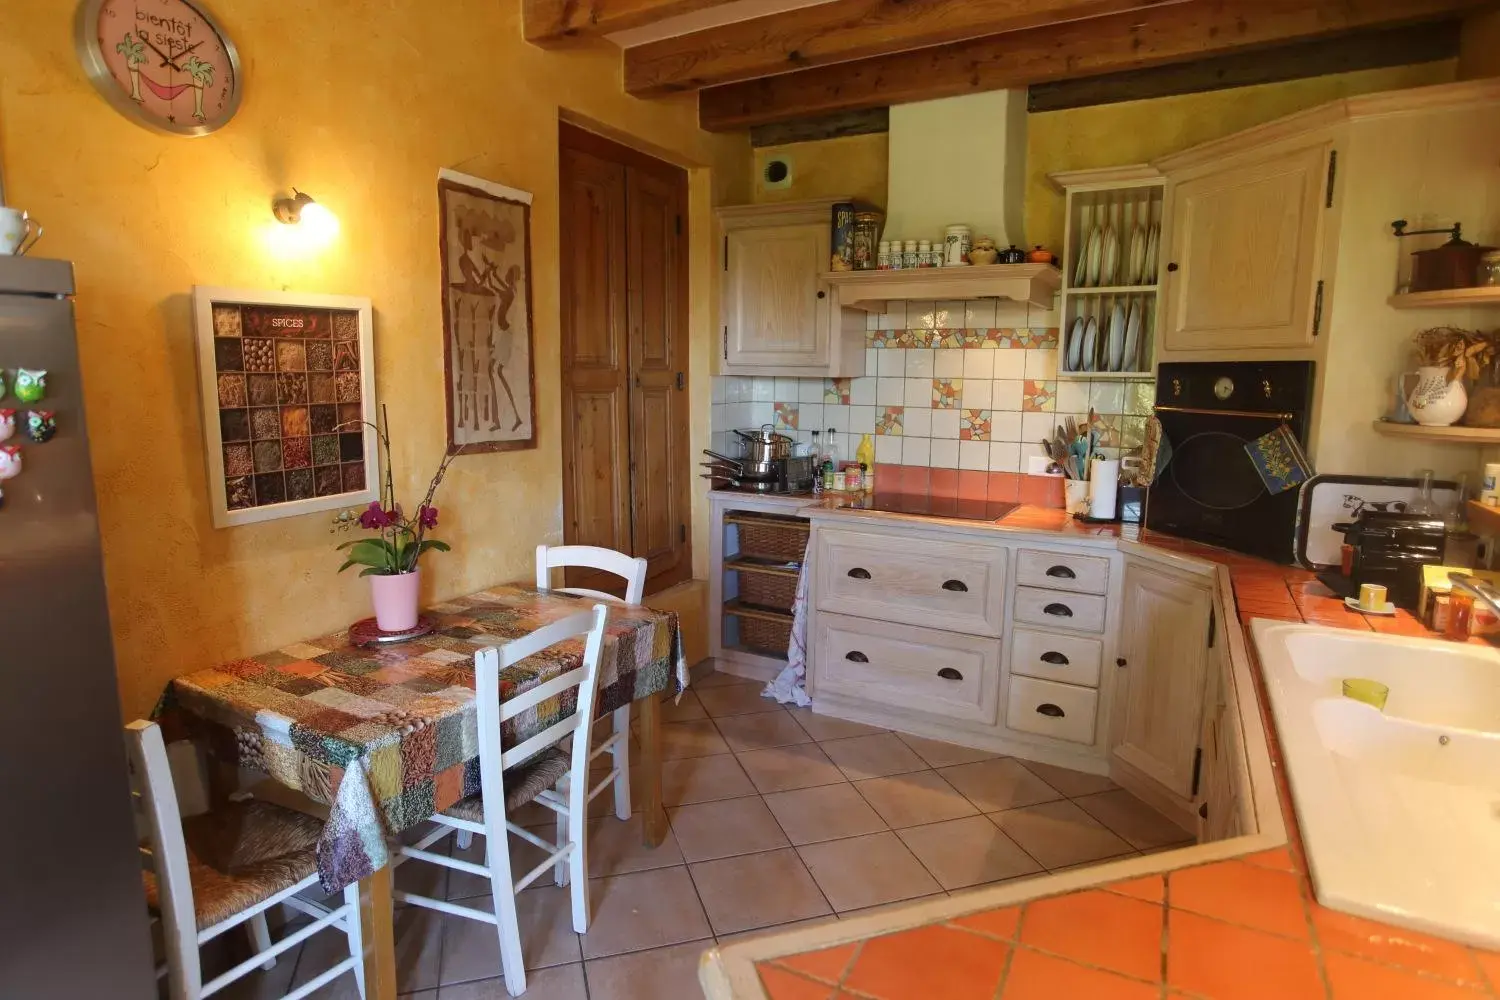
pixel 385 735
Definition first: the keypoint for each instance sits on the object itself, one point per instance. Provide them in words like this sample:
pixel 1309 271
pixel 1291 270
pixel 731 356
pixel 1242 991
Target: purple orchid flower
pixel 374 518
pixel 428 516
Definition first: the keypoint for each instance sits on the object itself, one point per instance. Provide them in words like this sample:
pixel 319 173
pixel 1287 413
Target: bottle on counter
pixel 1460 545
pixel 831 460
pixel 817 464
pixel 853 478
pixel 869 479
pixel 865 453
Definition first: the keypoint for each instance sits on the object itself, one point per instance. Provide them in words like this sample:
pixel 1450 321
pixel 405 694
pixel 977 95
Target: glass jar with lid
pixel 1489 269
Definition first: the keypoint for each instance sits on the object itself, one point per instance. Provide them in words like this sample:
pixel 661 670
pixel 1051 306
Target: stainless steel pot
pixel 765 443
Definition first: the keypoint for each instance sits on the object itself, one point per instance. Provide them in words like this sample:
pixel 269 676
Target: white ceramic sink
pixel 1399 810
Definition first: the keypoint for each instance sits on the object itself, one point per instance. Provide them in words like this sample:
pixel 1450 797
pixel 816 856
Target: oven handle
pixel 1265 414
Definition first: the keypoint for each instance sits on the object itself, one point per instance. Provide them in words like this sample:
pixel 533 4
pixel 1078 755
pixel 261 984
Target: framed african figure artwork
pixel 485 249
pixel 288 390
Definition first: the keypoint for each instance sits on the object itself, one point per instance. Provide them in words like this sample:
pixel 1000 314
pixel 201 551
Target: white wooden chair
pixel 633 570
pixel 511 778
pixel 224 869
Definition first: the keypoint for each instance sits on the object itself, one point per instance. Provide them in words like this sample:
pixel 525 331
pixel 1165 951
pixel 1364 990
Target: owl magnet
pixel 10 461
pixel 41 425
pixel 31 385
pixel 7 424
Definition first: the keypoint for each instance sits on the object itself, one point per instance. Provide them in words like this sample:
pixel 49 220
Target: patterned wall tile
pixel 946 393
pixel 974 425
pixel 1039 397
pixel 892 420
pixel 837 391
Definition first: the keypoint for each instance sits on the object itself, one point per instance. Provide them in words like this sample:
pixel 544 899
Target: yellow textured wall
pixel 1136 131
pixel 360 103
pixel 852 165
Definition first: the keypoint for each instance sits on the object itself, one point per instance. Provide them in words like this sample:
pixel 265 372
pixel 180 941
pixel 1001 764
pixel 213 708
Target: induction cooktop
pixel 918 503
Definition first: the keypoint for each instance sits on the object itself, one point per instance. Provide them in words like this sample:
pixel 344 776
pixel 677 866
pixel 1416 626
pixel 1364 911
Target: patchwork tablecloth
pixel 388 736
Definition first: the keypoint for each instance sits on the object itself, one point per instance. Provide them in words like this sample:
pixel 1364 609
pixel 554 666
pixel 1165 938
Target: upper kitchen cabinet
pixel 779 316
pixel 1244 250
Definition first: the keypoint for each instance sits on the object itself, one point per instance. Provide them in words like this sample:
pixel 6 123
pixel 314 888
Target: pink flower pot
pixel 395 600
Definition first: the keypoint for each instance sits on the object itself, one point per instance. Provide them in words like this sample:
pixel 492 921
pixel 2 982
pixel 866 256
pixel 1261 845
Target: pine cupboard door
pixel 1244 253
pixel 659 416
pixel 595 356
pixel 1164 637
pixel 774 309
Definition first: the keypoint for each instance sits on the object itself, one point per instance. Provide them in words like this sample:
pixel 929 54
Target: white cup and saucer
pixel 1372 600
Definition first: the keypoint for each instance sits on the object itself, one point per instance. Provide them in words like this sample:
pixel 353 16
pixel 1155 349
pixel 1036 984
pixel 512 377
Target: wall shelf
pixel 1445 435
pixel 1104 376
pixel 1112 290
pixel 869 291
pixel 1487 295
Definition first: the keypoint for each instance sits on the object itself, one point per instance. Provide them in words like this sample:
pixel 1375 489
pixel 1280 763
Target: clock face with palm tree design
pixel 164 63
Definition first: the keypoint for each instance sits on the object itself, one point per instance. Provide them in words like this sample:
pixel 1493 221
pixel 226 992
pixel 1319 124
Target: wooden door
pixel 773 305
pixel 624 357
pixel 1164 638
pixel 1244 254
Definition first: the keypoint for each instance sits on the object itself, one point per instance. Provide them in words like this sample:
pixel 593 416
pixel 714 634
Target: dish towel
pixel 790 686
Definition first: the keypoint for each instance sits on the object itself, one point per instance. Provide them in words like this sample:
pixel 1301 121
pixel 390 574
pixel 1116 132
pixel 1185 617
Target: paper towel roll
pixel 1104 487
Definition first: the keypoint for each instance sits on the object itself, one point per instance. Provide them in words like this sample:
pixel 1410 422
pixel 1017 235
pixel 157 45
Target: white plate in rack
pixel 1132 361
pixel 1074 359
pixel 1115 346
pixel 1090 346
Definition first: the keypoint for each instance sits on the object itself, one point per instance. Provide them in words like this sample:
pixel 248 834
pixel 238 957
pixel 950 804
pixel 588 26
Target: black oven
pixel 1209 490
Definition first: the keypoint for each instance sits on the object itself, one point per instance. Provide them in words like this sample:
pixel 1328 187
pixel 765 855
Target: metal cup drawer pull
pixel 1061 573
pixel 958 586
pixel 1053 657
pixel 1049 709
pixel 856 656
pixel 1058 610
pixel 859 573
pixel 949 674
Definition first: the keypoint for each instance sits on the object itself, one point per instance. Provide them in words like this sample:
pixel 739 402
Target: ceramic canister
pixel 956 245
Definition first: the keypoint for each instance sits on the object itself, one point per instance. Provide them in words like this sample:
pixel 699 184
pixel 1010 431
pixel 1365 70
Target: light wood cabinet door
pixel 775 311
pixel 1244 254
pixel 1164 640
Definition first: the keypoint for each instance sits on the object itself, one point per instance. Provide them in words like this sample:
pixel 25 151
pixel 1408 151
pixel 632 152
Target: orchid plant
pixel 402 538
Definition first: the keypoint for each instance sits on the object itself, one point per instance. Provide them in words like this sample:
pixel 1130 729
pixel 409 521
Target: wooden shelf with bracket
pixel 1442 435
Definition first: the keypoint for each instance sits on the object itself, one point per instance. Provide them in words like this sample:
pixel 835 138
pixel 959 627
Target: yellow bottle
pixel 865 453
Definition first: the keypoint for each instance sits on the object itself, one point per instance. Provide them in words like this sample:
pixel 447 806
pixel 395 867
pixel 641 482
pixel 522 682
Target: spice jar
pixel 1460 614
pixel 1489 269
pixel 866 239
pixel 883 256
pixel 909 254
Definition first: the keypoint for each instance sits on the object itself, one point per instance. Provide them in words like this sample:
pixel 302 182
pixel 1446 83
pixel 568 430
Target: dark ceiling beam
pixel 836 126
pixel 551 22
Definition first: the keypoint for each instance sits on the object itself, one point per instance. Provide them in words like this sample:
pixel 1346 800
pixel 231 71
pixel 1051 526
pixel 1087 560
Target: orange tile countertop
pixel 1236 928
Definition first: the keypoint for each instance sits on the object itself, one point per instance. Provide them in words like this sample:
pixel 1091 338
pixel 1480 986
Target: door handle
pixel 956 585
pixel 1058 610
pixel 1203 811
pixel 1172 266
pixel 856 656
pixel 859 574
pixel 1055 658
pixel 1050 710
pixel 949 674
pixel 1061 573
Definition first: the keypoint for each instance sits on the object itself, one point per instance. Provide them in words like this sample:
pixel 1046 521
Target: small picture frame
pixel 287 384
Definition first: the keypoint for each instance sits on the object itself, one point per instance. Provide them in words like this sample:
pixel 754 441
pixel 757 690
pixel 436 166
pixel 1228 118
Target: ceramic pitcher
pixel 1433 400
pixel 18 231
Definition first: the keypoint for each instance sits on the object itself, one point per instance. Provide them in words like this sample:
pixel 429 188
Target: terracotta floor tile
pixel 1278 858
pixel 862 872
pixel 965 852
pixel 783 985
pixel 928 963
pixel 757 890
pixel 638 975
pixel 828 812
pixel 762 730
pixel 703 779
pixel 873 756
pixel 1355 979
pixel 1140 825
pixel 721 678
pixel 914 799
pixel 1211 958
pixel 781 769
pixel 1261 898
pixel 1394 946
pixel 1001 923
pixel 737 699
pixel 708 830
pixel 829 964
pixel 691 739
pixel 688 709
pixel 939 754
pixel 1152 888
pixel 636 912
pixel 995 785
pixel 1059 834
pixel 1099 928
pixel 1068 781
pixel 1034 976
pixel 826 727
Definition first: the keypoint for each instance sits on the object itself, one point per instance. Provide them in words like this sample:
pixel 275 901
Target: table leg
pixel 653 820
pixel 378 935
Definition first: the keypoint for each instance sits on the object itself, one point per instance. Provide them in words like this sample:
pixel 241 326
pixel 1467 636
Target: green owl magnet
pixel 41 425
pixel 31 385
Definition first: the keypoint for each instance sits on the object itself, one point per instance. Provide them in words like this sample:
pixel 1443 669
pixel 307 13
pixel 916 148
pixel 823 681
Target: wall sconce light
pixel 315 223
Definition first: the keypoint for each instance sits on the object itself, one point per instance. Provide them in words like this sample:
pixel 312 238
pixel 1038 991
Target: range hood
pixel 956 160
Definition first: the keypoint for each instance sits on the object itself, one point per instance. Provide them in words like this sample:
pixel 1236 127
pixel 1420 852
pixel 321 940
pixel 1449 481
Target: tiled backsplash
pixel 979 396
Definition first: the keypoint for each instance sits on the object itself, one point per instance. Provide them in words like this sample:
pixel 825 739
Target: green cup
pixel 1370 692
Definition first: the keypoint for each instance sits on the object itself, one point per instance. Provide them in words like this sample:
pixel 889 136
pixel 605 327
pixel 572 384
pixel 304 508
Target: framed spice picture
pixel 286 382
pixel 485 250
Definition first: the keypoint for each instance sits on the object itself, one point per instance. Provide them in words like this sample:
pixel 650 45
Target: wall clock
pixel 164 63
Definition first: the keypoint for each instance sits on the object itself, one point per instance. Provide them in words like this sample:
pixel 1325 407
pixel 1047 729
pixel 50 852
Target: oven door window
pixel 1210 466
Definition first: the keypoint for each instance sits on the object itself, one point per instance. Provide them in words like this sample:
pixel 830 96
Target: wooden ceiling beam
pixel 551 22
pixel 838 32
pixel 1151 37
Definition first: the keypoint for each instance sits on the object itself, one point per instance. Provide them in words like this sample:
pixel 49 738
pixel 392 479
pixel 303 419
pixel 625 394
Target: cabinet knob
pixel 1055 658
pixel 1050 710
pixel 957 586
pixel 1203 811
pixel 1120 661
pixel 1061 573
pixel 1058 610
pixel 1172 266
pixel 856 656
pixel 949 674
pixel 859 573
pixel 822 295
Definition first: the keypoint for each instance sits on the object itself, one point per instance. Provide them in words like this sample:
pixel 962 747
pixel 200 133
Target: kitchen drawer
pixel 1061 711
pixel 1063 571
pixel 915 669
pixel 920 581
pixel 1052 656
pixel 1056 609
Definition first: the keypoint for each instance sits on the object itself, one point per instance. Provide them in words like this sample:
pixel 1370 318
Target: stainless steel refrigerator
pixel 72 915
